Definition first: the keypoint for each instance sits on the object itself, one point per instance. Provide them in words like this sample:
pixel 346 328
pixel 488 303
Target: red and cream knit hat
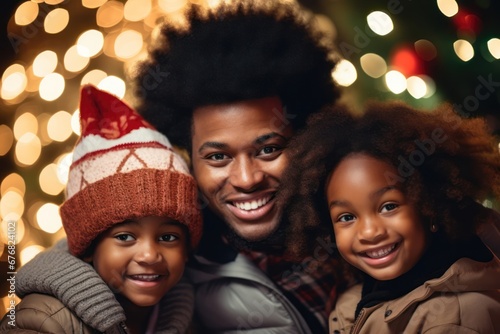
pixel 123 169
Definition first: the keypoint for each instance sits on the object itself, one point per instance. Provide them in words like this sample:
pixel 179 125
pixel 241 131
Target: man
pixel 232 89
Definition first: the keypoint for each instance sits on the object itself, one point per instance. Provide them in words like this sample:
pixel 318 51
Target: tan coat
pixel 466 299
pixel 45 314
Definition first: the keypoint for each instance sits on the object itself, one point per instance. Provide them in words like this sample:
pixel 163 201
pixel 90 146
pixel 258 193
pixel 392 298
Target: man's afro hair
pixel 238 51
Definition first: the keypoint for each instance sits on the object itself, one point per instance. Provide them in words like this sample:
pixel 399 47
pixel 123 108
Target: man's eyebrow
pixel 267 136
pixel 212 144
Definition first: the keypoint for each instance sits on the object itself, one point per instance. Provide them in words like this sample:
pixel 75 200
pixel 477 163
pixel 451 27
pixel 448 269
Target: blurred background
pixel 422 52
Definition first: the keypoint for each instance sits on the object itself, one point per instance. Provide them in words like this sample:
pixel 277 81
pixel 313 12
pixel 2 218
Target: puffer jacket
pixel 236 297
pixel 71 297
pixel 465 299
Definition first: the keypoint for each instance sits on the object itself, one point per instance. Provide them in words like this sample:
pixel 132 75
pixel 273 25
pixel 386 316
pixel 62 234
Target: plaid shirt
pixel 312 281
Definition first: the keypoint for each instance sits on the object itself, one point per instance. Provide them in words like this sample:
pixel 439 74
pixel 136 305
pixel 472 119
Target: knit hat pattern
pixel 123 169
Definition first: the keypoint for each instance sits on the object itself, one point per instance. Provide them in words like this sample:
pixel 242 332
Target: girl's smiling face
pixel 142 259
pixel 376 229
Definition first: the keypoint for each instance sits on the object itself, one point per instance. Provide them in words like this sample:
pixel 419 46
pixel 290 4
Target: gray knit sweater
pixel 78 286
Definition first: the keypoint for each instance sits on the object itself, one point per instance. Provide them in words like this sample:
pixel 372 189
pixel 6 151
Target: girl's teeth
pixel 381 252
pixel 148 278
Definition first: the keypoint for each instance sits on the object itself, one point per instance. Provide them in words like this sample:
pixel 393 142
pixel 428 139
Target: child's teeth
pixel 381 252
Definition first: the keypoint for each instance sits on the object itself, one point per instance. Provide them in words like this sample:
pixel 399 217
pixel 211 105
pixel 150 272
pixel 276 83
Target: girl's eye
pixel 389 207
pixel 169 237
pixel 124 237
pixel 346 218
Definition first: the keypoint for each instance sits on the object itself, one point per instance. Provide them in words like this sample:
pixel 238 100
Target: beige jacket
pixel 466 299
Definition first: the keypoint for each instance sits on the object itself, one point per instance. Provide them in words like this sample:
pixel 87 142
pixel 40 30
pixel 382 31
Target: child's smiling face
pixel 142 259
pixel 376 229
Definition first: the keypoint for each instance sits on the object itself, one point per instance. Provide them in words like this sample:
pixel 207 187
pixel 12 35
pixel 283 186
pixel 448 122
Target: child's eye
pixel 389 207
pixel 169 237
pixel 124 237
pixel 346 218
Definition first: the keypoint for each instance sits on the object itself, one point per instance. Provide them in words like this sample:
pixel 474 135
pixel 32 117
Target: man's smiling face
pixel 238 159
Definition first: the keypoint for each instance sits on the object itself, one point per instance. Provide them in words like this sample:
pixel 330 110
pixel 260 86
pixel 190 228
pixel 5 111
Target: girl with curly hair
pixel 400 188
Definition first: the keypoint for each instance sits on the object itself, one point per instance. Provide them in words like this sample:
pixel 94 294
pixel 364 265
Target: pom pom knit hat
pixel 123 169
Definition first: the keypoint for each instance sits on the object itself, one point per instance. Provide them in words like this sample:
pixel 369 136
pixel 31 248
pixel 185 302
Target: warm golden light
pixel 93 3
pixel 90 43
pixel 136 10
pixel 75 122
pixel 380 23
pixel 45 63
pixel 13 85
pixel 93 77
pixel 373 65
pixel 463 49
pixel 113 85
pixel 48 218
pixel 43 120
pixel 26 13
pixel 395 81
pixel 49 181
pixel 170 6
pixel 53 2
pixel 52 87
pixel 56 21
pixel 73 61
pixel 494 47
pixel 344 73
pixel 128 44
pixel 12 203
pixel 6 139
pixel 109 14
pixel 25 123
pixel 416 87
pixel 448 7
pixel 13 182
pixel 430 85
pixel 29 253
pixel 59 126
pixel 28 149
pixel 63 163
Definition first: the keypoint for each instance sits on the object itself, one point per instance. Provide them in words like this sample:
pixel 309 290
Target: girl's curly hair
pixel 445 164
pixel 238 51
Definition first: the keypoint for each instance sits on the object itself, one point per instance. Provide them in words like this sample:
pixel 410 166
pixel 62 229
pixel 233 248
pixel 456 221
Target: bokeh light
pixel 380 23
pixel 416 86
pixel 136 10
pixel 26 13
pixel 56 21
pixel 25 123
pixel 49 180
pixel 74 61
pixel 373 65
pixel 494 47
pixel 395 81
pixel 52 87
pixel 464 49
pixel 90 43
pixel 6 139
pixel 28 149
pixel 48 218
pixel 449 8
pixel 59 126
pixel 109 14
pixel 345 73
pixel 29 253
pixel 128 44
pixel 113 85
pixel 45 63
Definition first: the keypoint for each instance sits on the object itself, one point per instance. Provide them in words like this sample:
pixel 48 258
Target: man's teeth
pixel 148 278
pixel 381 252
pixel 252 205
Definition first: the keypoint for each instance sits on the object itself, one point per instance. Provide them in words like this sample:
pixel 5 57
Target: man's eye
pixel 169 237
pixel 268 150
pixel 124 237
pixel 217 156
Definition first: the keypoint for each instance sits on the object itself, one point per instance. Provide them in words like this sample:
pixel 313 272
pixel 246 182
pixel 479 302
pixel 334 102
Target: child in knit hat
pixel 131 212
